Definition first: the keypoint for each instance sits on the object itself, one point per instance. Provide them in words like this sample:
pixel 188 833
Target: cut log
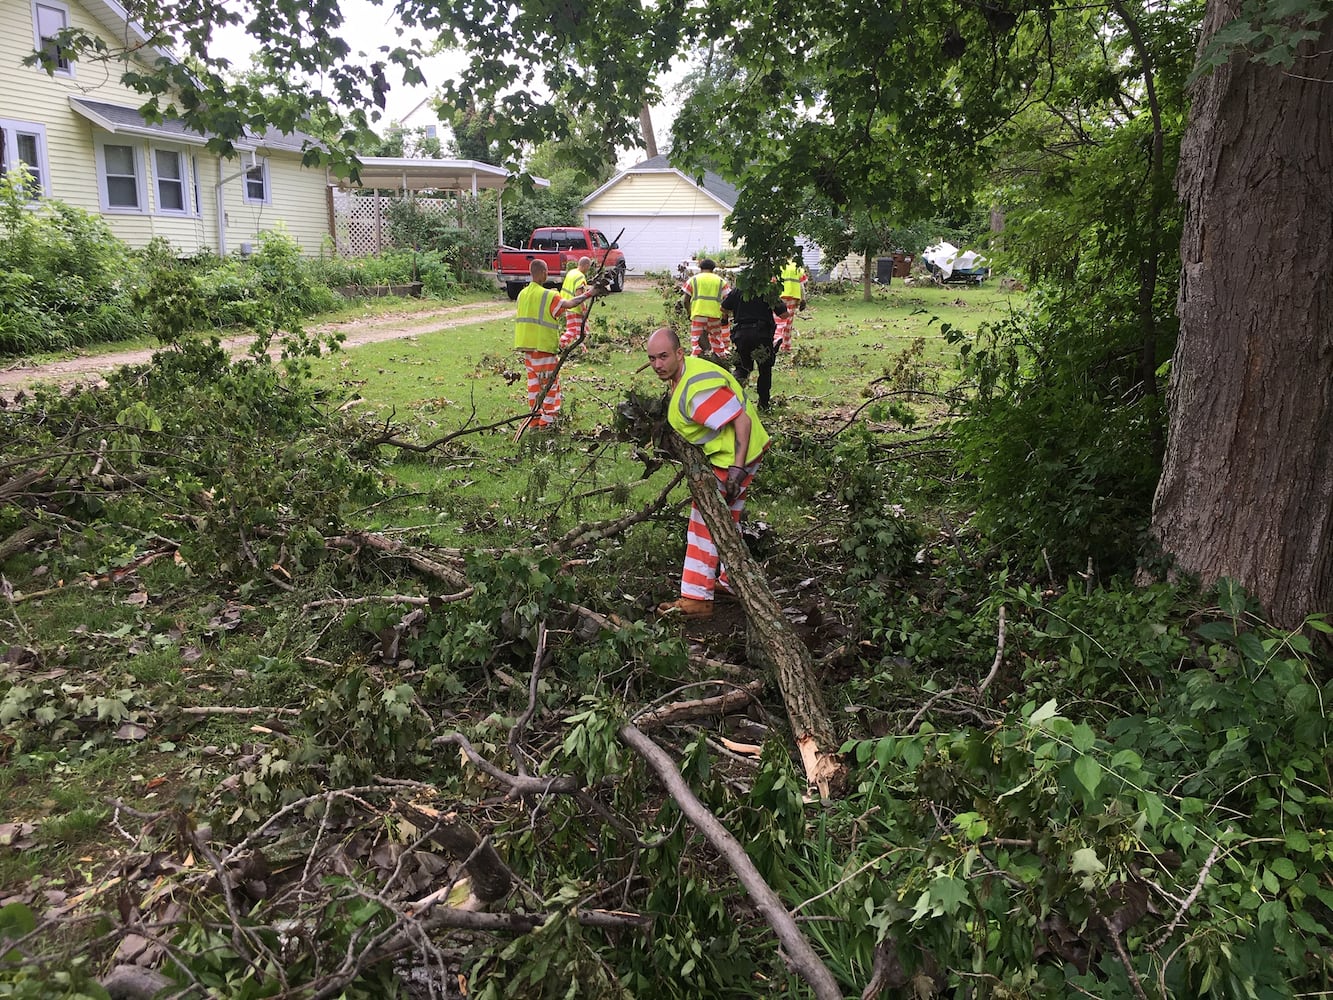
pixel 770 641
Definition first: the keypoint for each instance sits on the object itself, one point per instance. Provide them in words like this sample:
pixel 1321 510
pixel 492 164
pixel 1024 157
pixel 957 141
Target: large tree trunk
pixel 1247 484
pixel 770 641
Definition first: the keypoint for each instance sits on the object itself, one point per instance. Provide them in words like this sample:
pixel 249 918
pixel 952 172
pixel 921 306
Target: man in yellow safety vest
pixel 793 278
pixel 537 335
pixel 703 301
pixel 708 408
pixel 576 279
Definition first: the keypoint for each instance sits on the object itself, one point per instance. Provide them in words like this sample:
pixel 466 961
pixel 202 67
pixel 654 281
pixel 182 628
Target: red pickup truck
pixel 558 246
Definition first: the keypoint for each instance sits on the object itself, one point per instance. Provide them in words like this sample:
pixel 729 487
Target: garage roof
pixel 710 183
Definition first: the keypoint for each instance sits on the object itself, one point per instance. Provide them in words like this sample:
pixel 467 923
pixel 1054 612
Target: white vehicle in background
pixel 948 264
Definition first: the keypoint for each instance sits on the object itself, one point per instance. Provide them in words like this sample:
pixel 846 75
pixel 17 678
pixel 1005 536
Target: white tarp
pixel 948 258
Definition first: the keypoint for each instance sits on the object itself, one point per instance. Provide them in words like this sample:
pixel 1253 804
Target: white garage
pixel 666 216
pixel 659 243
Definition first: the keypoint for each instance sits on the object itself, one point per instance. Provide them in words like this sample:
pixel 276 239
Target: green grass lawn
pixel 434 383
pixel 436 379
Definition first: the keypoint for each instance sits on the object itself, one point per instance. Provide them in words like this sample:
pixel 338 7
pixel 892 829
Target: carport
pixel 363 215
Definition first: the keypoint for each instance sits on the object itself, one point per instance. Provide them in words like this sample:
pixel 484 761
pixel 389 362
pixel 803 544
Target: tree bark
pixel 770 641
pixel 1247 483
pixel 646 124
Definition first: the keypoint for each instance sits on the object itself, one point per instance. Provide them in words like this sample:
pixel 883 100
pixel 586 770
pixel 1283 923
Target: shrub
pixel 62 276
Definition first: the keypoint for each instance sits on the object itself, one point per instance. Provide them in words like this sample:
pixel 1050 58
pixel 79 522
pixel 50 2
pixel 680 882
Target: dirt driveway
pixel 385 326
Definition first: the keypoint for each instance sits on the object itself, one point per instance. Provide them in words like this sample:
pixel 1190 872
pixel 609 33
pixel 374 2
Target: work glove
pixel 731 491
pixel 801 306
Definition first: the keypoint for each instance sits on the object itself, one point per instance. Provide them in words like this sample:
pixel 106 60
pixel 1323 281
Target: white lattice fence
pixel 361 223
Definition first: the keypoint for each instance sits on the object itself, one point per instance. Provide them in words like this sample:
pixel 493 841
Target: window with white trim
pixel 255 190
pixel 169 176
pixel 120 177
pixel 24 144
pixel 48 21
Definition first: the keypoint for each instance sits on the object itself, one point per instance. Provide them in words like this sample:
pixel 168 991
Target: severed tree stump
pixel 770 641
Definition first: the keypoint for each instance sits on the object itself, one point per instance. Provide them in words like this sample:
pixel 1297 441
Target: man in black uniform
pixel 752 331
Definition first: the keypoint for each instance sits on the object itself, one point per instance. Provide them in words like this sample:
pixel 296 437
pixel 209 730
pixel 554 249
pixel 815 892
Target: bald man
pixel 537 335
pixel 708 408
pixel 576 280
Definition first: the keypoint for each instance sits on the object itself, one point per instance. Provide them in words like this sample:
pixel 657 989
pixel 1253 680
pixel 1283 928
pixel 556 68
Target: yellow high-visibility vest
pixel 574 283
pixel 705 294
pixel 534 329
pixel 719 446
pixel 791 281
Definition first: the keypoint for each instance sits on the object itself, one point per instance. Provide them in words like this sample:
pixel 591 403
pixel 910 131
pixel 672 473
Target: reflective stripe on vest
pixel 534 329
pixel 706 294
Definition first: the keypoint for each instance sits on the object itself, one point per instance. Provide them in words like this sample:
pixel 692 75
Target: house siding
pixel 29 94
pixel 653 194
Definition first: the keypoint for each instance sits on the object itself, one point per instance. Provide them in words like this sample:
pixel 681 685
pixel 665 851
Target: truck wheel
pixel 512 291
pixel 618 278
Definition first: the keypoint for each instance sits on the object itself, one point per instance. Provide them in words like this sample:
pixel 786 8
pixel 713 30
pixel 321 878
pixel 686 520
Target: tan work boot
pixel 686 607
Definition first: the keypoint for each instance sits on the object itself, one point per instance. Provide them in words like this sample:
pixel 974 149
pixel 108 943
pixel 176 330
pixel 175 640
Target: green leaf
pixel 1089 773
pixel 948 893
pixel 1047 711
pixel 1084 861
pixel 1284 869
pixel 1083 737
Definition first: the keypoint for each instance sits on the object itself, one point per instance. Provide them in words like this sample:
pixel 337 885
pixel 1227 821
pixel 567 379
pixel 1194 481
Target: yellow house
pixel 78 131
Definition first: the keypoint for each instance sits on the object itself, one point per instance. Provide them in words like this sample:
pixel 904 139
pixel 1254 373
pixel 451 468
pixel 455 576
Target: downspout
pixel 221 208
pixel 221 203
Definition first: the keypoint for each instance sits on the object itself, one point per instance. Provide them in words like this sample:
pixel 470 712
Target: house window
pixel 23 144
pixel 169 172
pixel 48 21
pixel 121 177
pixel 256 190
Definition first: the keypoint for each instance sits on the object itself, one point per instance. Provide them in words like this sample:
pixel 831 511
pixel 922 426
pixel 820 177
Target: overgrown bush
pixel 1061 446
pixel 1134 822
pixel 461 237
pixel 62 277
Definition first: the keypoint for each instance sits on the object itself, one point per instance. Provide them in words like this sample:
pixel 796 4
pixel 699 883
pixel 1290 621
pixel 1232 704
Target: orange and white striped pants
pixel 706 335
pixel 573 324
pixel 701 572
pixel 541 370
pixel 784 332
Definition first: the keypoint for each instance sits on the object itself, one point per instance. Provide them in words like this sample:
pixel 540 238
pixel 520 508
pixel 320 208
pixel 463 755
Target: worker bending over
pixel 708 408
pixel 576 279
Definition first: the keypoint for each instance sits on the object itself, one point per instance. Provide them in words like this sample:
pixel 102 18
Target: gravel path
pixel 385 326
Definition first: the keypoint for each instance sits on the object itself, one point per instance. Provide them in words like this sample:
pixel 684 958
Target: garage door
pixel 660 242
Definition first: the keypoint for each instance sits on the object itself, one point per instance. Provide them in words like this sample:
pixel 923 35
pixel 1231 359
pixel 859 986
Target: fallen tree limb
pixel 770 641
pixel 685 711
pixel 585 534
pixel 418 559
pixel 518 784
pixel 408 599
pixel 978 691
pixel 799 955
pixel 490 876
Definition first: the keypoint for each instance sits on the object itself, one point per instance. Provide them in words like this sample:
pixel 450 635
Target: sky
pixel 367 27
